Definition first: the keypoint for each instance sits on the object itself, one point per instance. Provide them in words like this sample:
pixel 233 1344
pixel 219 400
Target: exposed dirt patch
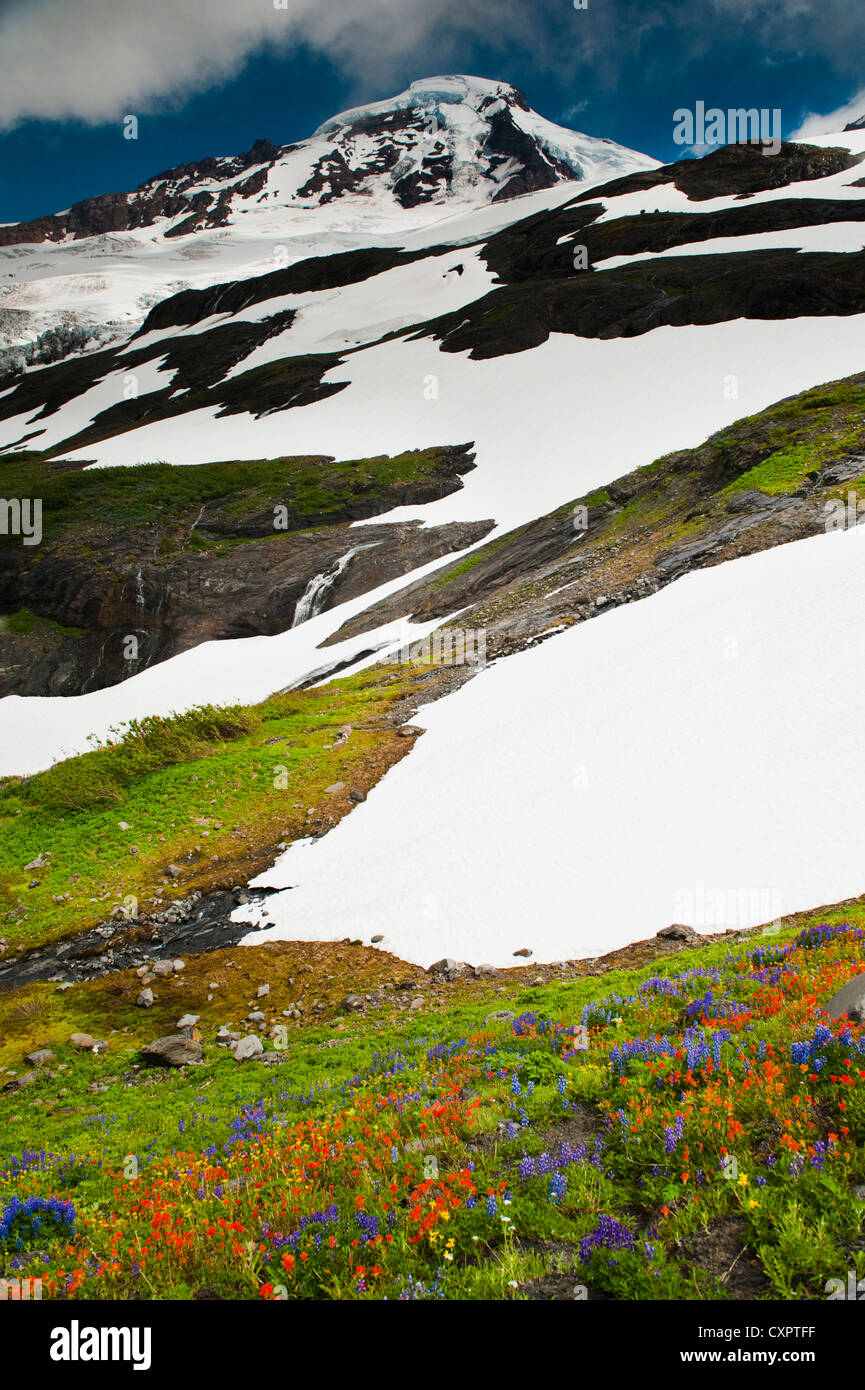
pixel 580 1126
pixel 721 1251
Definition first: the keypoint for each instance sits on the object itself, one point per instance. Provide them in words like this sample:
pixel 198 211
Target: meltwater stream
pixel 314 598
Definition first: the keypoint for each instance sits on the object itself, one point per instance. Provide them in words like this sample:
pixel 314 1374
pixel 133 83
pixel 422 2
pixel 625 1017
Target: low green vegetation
pixel 232 496
pixel 691 1130
pixel 477 557
pixel 24 623
pixel 212 791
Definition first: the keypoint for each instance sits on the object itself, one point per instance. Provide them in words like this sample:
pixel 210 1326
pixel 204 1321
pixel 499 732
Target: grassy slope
pixel 167 497
pixel 204 1178
pixel 208 791
pixel 679 497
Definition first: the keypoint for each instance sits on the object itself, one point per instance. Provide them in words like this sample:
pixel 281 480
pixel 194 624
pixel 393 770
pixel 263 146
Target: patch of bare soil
pixel 722 1252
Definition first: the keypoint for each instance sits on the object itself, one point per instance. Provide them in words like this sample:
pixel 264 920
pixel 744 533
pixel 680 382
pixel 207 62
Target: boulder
pixel 162 968
pixel 523 951
pixel 19 1082
pixel 677 932
pixel 83 1041
pixel 172 1051
pixel 446 966
pixel 376 939
pixel 849 1000
pixel 262 991
pixel 354 1002
pixel 145 999
pixel 39 1058
pixel 248 1047
pixel 188 1020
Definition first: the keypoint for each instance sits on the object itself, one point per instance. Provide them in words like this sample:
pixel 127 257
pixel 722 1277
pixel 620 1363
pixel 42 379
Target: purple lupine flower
pixel 558 1188
pixel 609 1234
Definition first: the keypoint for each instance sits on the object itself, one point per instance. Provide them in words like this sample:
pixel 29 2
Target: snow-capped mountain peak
pixel 443 140
pixel 443 147
pixel 464 137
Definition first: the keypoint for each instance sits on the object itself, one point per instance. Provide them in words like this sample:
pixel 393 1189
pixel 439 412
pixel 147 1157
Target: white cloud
pixel 574 111
pixel 97 60
pixel 834 121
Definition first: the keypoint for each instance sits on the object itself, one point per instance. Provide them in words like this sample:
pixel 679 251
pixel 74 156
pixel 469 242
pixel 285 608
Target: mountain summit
pixel 446 146
pixel 458 137
pixel 445 139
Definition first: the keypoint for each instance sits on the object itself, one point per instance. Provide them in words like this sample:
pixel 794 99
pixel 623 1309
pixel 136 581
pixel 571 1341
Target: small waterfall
pixel 195 523
pixel 139 592
pixel 317 590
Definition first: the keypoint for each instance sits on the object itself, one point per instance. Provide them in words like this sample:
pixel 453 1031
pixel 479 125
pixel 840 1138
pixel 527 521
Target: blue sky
pixel 210 76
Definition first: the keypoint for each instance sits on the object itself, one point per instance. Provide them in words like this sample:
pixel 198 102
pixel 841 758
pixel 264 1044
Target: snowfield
pixel 694 757
pixel 548 425
pixel 40 730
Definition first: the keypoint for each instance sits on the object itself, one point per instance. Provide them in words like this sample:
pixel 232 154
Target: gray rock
pixel 248 1047
pixel 82 1041
pixel 334 788
pixel 178 965
pixel 355 1002
pixel 188 1020
pixel 500 1016
pixel 19 1082
pixel 376 939
pixel 256 1016
pixel 162 968
pixel 849 1000
pixel 677 931
pixel 172 1051
pixel 446 966
pixel 262 991
pixel 356 795
pixel 39 1058
pixel 145 999
pixel 173 871
pixel 408 731
pixel 417 1003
